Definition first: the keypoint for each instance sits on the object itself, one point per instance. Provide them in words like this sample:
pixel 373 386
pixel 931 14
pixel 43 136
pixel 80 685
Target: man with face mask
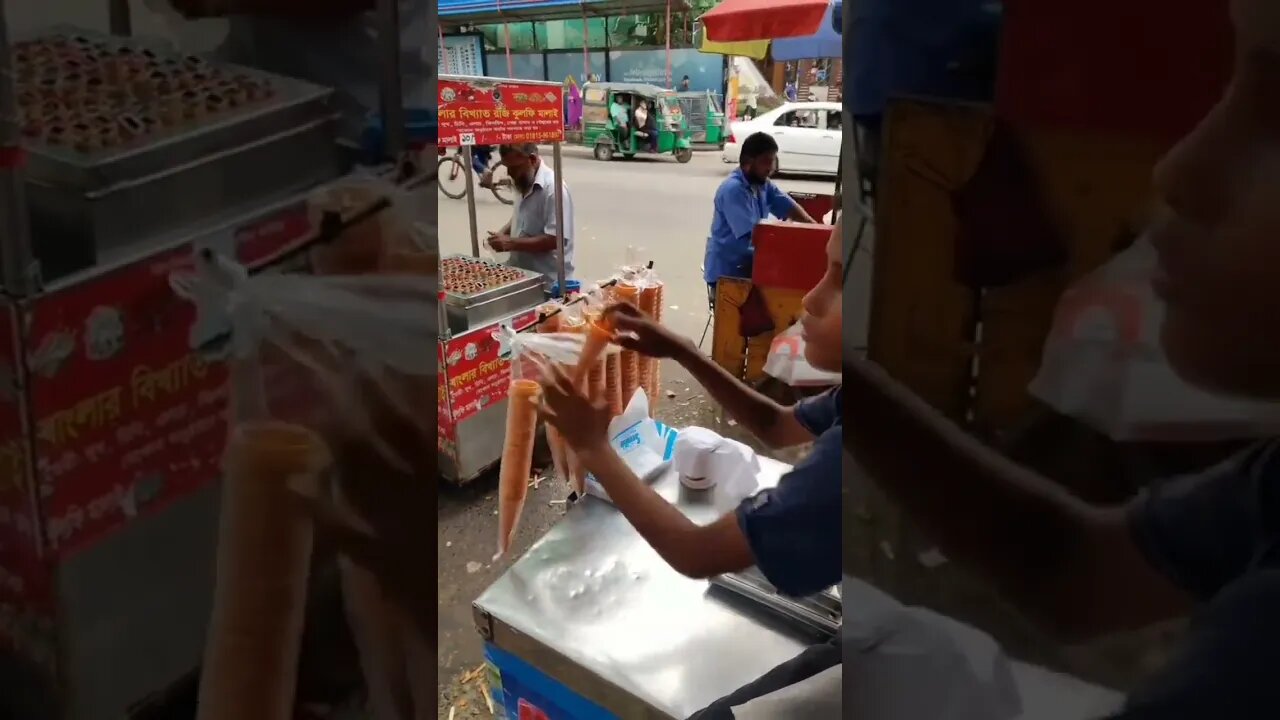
pixel 745 198
pixel 530 236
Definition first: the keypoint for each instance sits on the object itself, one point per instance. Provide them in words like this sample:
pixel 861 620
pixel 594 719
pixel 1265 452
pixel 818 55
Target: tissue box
pixel 644 444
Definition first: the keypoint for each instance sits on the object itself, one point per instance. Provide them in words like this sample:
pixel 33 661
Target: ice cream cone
pixel 264 557
pixel 517 458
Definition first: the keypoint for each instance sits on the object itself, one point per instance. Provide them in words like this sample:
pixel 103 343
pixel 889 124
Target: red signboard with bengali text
pixel 127 416
pixel 492 112
pixel 472 377
pixel 26 584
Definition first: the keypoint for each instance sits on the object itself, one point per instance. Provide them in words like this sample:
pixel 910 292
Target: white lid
pixel 695 452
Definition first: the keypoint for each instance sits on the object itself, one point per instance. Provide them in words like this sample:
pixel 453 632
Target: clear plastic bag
pixel 1103 365
pixel 529 354
pixel 333 387
pixel 787 362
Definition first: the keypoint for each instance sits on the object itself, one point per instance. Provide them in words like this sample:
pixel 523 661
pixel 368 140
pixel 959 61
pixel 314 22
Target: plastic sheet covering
pixel 348 364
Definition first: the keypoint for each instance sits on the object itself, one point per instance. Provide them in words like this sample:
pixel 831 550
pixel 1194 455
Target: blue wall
pixel 563 64
pixel 706 72
pixel 524 66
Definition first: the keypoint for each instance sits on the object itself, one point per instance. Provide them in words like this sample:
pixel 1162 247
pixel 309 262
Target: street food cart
pixel 479 295
pixel 127 157
pixel 591 624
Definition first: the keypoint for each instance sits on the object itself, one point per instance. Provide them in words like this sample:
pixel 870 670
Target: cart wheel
pixel 451 176
pixel 684 155
pixel 604 152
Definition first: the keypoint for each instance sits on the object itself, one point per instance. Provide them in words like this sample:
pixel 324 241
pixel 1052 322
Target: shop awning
pixel 453 13
pixel 825 43
pixel 754 49
pixel 738 20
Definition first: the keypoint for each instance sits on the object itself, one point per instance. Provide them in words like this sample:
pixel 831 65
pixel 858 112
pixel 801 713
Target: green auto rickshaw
pixel 610 127
pixel 704 117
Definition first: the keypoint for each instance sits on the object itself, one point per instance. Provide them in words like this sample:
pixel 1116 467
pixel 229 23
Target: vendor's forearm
pixel 690 549
pixel 798 214
pixel 766 419
pixel 535 244
pixel 1043 548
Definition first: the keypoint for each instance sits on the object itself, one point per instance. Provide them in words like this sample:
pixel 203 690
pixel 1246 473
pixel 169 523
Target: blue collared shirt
pixel 739 206
pixel 794 529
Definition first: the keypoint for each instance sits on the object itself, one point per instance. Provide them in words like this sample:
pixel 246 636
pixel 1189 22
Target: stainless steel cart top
pixel 592 604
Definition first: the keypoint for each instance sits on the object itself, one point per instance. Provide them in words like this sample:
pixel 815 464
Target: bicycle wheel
pixel 502 186
pixel 503 189
pixel 452 177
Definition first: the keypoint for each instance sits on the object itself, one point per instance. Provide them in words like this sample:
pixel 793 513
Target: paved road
pixel 654 204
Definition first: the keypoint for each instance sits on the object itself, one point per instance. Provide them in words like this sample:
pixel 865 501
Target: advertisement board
pixel 26 590
pixel 127 416
pixel 491 112
pixel 705 72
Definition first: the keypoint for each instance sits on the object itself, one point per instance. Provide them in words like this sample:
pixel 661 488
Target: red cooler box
pixel 790 255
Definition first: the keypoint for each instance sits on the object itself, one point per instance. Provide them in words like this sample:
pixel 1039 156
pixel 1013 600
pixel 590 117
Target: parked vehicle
pixel 704 117
pixel 808 136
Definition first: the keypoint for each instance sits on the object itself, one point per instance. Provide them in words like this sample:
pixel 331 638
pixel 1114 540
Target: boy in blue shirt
pixel 792 533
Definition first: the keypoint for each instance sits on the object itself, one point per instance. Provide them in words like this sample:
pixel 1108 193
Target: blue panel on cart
pixel 525 693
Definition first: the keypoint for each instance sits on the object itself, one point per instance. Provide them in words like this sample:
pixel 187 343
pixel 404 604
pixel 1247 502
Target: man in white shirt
pixel 530 237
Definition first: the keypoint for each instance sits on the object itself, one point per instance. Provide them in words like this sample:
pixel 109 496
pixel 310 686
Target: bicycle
pixel 452 177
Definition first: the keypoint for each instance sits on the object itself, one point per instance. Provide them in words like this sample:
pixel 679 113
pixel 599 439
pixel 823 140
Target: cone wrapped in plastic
pixel 613 382
pixel 626 292
pixel 598 337
pixel 656 381
pixel 517 458
pixel 555 441
pixel 630 375
pixel 649 299
pixel 595 380
pixel 554 318
pixel 264 557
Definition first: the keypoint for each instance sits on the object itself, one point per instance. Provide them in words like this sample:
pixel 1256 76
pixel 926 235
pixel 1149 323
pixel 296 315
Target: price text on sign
pixel 483 112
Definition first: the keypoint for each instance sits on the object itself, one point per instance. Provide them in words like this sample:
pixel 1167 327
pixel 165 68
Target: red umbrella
pixel 741 20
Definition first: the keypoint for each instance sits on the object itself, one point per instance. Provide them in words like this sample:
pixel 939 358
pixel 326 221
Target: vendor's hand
pixel 583 422
pixel 500 243
pixel 639 332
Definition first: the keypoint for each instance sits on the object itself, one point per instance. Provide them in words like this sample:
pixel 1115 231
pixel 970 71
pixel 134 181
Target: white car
pixel 808 136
